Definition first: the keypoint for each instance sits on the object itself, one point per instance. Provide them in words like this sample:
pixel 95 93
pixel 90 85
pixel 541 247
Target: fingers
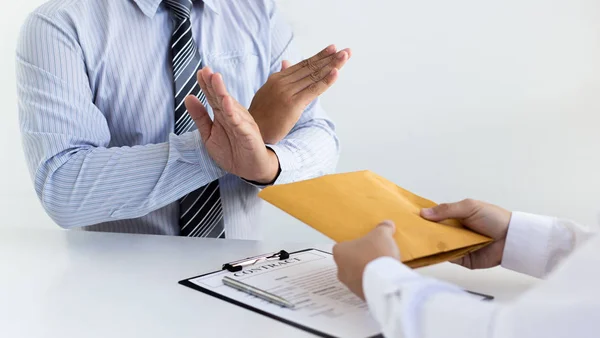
pixel 386 227
pixel 200 116
pixel 218 86
pixel 321 67
pixel 216 93
pixel 315 89
pixel 235 115
pixel 238 121
pixel 205 80
pixel 336 251
pixel 229 111
pixel 458 261
pixel 233 106
pixel 320 76
pixel 467 261
pixel 322 54
pixel 285 65
pixel 226 109
pixel 383 229
pixel 460 210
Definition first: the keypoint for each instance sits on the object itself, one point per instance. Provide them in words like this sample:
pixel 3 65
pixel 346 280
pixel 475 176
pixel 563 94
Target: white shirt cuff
pixel 527 244
pixel 457 315
pixel 384 274
pixel 395 294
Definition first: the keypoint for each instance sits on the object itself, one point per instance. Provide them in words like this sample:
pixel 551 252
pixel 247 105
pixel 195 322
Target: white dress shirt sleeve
pixel 394 293
pixel 409 305
pixel 536 244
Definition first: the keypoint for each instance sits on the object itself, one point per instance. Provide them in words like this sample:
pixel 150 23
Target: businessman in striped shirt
pixel 167 116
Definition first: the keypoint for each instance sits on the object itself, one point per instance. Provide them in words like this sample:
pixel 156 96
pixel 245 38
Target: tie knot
pixel 181 9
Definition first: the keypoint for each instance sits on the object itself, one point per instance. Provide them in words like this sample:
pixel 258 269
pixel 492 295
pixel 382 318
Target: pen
pixel 236 284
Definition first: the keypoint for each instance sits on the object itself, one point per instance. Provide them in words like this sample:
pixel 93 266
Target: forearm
pixel 536 244
pixel 79 179
pixel 87 185
pixel 311 148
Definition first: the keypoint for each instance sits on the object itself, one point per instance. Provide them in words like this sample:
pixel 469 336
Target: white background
pixel 495 100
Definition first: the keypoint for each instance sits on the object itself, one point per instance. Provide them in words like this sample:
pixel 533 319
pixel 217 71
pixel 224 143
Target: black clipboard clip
pixel 239 265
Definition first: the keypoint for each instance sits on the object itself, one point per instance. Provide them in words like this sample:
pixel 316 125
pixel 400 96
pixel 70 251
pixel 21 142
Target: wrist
pixel 507 218
pixel 271 171
pixel 270 131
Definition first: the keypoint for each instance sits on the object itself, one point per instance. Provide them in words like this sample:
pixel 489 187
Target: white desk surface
pixel 74 284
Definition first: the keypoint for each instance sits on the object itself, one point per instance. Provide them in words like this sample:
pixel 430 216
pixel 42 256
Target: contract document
pixel 308 279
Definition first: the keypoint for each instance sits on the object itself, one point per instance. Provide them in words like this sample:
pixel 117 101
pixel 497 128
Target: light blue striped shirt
pixel 95 89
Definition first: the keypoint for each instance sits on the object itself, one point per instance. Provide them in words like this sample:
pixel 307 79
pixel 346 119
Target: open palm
pixel 233 138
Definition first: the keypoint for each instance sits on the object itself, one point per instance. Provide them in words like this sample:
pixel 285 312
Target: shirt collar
pixel 149 7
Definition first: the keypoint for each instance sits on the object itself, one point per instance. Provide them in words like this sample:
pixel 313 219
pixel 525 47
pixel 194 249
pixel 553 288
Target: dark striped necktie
pixel 200 212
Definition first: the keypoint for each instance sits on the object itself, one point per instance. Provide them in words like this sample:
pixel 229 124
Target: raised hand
pixel 232 139
pixel 279 103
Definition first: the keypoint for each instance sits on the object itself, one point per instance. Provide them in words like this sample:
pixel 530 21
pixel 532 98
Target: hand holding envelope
pixel 349 205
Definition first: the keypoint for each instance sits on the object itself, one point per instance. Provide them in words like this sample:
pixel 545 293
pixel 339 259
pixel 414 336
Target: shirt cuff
pixel 288 164
pixel 456 315
pixel 384 274
pixel 527 244
pixel 387 280
pixel 261 185
pixel 189 148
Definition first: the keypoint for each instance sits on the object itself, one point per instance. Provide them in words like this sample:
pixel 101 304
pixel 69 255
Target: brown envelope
pixel 347 206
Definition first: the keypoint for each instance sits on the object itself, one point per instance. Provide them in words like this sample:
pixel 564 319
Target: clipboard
pixel 238 298
pixel 269 310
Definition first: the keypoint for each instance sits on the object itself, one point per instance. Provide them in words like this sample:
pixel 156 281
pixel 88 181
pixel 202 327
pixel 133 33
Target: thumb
pixel 459 210
pixel 285 65
pixel 200 116
pixel 386 227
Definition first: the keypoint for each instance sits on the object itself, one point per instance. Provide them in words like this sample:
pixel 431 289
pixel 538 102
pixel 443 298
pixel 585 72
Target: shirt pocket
pixel 242 73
